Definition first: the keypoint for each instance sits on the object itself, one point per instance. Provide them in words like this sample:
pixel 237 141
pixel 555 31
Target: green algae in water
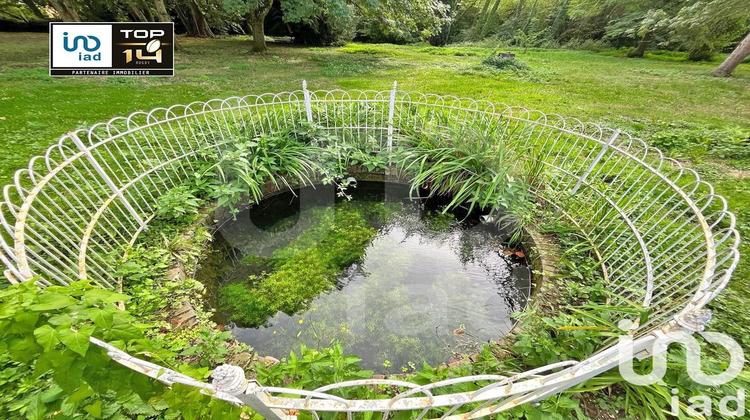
pixel 395 280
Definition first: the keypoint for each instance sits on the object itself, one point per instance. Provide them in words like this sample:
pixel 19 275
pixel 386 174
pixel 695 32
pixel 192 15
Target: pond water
pixel 394 280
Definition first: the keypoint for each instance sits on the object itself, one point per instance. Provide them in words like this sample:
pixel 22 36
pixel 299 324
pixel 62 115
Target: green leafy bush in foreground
pixel 49 367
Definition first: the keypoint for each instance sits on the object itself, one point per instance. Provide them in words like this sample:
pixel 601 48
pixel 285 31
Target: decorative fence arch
pixel 664 237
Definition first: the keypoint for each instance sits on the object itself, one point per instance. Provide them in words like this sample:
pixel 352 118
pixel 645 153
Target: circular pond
pixel 390 277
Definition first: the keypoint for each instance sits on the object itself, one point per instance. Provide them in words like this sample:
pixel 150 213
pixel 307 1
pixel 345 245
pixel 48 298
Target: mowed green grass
pixel 632 94
pixel 36 109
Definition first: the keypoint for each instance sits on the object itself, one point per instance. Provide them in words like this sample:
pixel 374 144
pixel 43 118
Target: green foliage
pixel 314 368
pixel 209 349
pixel 697 141
pixel 244 165
pixel 706 26
pixel 50 366
pixel 177 204
pixel 505 63
pixel 479 172
pixel 306 267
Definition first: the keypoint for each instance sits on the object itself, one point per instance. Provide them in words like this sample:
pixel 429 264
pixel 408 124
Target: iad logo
pixel 702 405
pixel 80 46
pixel 656 348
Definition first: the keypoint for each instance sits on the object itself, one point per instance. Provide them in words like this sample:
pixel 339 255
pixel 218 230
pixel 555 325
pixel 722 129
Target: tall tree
pixel 198 17
pixel 163 16
pixel 735 58
pixel 35 9
pixel 66 9
pixel 489 19
pixel 706 26
pixel 640 25
pixel 255 12
pixel 386 17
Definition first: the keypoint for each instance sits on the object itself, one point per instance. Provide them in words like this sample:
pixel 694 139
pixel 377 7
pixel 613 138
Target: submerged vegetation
pixel 412 284
pixel 301 270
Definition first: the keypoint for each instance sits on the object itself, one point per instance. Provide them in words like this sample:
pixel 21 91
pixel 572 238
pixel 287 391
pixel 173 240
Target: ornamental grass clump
pixel 476 166
pixel 243 166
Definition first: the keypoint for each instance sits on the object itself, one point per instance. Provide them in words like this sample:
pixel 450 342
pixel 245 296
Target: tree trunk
pixel 484 8
pixel 642 45
pixel 489 19
pixel 199 19
pixel 258 31
pixel 66 11
pixel 35 9
pixel 187 20
pixel 735 58
pixel 137 12
pixel 255 18
pixel 163 16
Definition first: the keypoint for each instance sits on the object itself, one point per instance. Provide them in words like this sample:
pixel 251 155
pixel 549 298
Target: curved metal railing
pixel 664 238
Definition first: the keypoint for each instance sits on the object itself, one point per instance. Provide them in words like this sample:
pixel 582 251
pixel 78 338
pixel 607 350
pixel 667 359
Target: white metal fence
pixel 664 237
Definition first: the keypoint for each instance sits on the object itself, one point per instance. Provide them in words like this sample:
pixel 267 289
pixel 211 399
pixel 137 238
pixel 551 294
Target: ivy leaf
pixel 23 322
pixel 23 349
pixel 77 341
pixel 61 319
pixel 124 332
pixel 44 364
pixel 82 393
pixel 46 337
pixel 51 301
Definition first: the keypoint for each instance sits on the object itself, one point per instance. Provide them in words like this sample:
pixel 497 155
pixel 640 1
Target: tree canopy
pixel 702 28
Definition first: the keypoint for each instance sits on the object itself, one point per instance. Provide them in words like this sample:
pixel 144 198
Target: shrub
pixel 177 204
pixel 587 45
pixel 697 140
pixel 505 63
pixel 50 368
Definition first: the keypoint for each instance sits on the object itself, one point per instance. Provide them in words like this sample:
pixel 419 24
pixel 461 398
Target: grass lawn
pixel 637 95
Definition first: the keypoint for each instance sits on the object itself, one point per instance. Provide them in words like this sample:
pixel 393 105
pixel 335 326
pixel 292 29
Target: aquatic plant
pixel 308 267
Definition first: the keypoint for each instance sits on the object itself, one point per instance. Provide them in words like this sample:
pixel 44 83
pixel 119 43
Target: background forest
pixel 701 28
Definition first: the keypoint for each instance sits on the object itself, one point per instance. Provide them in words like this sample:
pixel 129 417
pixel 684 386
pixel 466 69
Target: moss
pixel 306 267
pixel 437 220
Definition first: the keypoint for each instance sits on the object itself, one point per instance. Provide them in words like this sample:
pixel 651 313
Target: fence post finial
pixel 230 379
